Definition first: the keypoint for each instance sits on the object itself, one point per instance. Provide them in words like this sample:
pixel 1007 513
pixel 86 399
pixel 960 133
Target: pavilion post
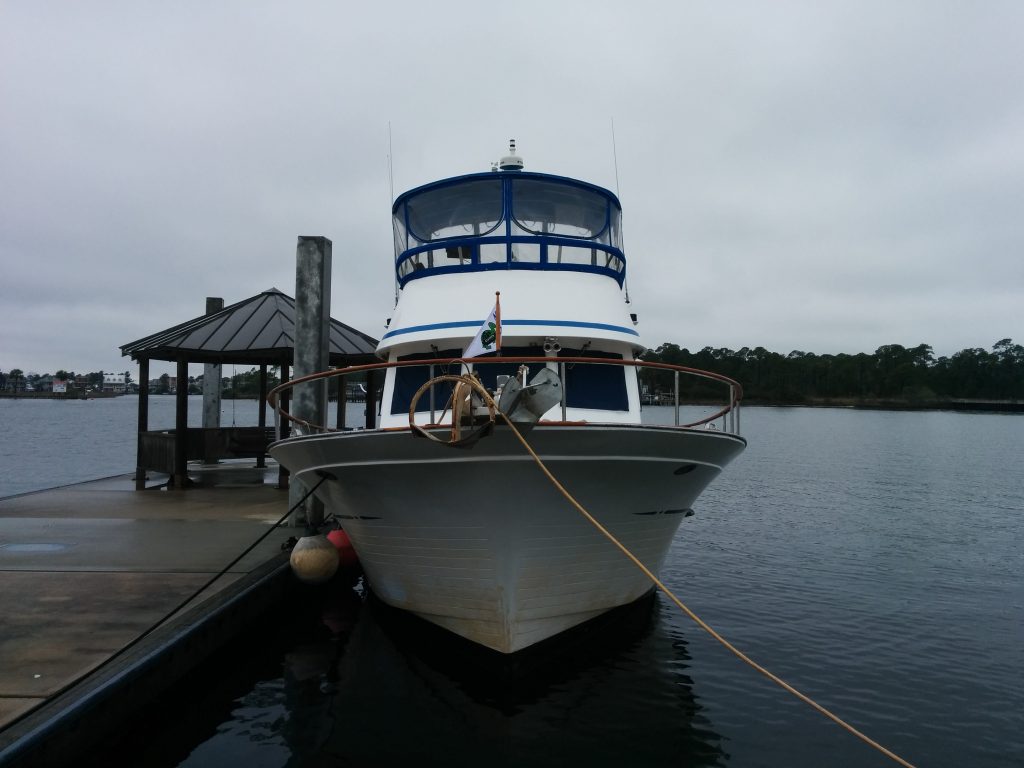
pixel 181 426
pixel 261 460
pixel 140 470
pixel 342 402
pixel 211 380
pixel 283 404
pixel 371 399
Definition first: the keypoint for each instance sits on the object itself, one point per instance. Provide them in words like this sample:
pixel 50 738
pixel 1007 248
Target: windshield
pixel 461 210
pixel 550 208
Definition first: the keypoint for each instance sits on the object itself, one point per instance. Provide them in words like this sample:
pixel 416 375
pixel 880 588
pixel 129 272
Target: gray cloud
pixel 826 177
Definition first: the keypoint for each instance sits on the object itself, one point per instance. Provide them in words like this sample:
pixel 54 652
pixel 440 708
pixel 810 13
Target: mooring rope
pixel 209 583
pixel 480 389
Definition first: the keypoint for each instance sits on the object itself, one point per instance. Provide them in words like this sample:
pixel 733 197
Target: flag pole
pixel 497 322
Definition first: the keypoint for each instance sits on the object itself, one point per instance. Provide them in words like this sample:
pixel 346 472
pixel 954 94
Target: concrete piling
pixel 312 347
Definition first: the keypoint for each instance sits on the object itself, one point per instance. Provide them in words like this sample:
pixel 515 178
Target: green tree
pixel 891 372
pixel 247 384
pixel 1009 369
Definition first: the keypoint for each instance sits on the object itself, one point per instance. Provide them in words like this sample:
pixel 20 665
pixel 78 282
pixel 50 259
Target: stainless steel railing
pixel 728 413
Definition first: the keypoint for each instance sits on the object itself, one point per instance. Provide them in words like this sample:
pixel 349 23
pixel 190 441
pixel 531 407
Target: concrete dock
pixel 85 569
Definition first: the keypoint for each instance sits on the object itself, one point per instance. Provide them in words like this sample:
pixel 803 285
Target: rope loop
pixel 462 405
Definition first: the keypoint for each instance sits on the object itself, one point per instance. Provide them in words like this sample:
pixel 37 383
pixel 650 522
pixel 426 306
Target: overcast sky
pixel 821 176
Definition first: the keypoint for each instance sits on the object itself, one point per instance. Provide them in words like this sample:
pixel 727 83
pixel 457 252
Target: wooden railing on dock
pixel 156 449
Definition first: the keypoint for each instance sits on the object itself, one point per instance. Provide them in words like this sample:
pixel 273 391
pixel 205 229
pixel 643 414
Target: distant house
pixel 156 384
pixel 113 382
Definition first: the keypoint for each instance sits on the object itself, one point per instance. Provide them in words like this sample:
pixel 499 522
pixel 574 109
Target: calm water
pixel 874 560
pixel 57 442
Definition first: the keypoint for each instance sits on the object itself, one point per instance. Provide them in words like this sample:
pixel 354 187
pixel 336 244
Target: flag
pixel 488 338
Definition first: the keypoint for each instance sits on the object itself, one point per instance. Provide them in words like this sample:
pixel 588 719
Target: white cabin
pixel 552 247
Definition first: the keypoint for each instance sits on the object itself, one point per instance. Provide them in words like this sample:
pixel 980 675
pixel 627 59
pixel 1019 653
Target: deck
pixel 86 568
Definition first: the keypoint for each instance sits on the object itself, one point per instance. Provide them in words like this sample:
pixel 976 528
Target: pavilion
pixel 257 331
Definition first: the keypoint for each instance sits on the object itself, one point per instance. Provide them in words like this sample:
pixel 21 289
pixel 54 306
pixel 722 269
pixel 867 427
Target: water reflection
pixel 379 687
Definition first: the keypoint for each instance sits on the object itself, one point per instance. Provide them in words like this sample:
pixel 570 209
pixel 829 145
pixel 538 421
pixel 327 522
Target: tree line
pixel 892 372
pixel 246 384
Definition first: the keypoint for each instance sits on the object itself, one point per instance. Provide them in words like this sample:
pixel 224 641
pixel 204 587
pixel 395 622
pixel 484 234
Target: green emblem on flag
pixel 488 337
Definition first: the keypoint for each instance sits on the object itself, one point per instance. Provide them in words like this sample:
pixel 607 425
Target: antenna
pixel 622 226
pixel 391 167
pixel 615 158
pixel 391 191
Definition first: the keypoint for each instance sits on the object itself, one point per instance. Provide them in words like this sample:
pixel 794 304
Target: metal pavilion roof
pixel 254 331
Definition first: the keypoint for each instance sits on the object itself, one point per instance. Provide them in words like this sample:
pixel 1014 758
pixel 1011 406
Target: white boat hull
pixel 478 541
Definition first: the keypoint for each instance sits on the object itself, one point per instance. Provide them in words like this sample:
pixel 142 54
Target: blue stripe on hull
pixel 506 323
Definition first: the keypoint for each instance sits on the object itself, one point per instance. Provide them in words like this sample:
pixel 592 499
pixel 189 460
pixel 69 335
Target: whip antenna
pixel 391 192
pixel 622 230
pixel 391 167
pixel 615 160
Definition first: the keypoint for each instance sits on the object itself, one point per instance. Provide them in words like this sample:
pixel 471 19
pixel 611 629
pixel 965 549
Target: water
pixel 873 560
pixel 56 442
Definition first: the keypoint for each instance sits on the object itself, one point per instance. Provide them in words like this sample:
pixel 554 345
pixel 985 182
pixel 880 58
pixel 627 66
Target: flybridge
pixel 507 219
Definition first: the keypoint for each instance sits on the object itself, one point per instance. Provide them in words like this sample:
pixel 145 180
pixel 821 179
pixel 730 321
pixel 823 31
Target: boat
pixel 463 529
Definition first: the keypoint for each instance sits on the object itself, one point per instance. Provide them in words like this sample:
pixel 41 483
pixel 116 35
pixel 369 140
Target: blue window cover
pixel 489 368
pixel 410 378
pixel 589 385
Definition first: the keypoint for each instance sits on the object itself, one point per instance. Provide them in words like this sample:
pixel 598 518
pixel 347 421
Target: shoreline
pixel 58 395
pixel 949 404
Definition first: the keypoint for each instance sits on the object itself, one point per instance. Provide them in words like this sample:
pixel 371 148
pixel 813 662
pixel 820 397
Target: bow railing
pixel 662 386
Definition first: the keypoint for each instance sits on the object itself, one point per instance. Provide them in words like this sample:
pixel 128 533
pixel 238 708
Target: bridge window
pixel 495 221
pixel 568 254
pixel 401 236
pixel 469 209
pixel 526 253
pixel 493 253
pixel 463 254
pixel 547 208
